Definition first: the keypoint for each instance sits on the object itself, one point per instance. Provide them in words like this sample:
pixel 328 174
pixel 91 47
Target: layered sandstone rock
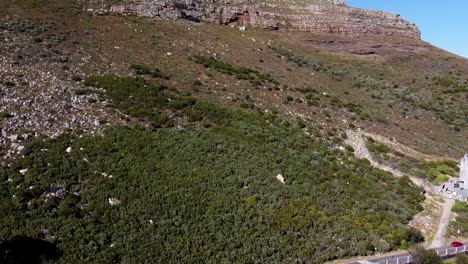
pixel 332 16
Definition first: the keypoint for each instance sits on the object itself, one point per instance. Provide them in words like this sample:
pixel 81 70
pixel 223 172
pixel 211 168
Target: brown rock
pixel 332 16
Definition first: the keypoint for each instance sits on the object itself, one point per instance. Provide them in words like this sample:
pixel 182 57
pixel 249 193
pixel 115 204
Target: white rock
pixel 151 221
pixel 242 28
pixel 23 171
pixel 68 150
pixel 114 201
pixel 169 54
pixel 280 178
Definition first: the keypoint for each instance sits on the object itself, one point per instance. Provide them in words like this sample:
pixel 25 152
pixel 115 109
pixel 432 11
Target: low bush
pixel 135 97
pixel 240 73
pixel 460 207
pixel 145 70
pixel 301 61
pixel 376 148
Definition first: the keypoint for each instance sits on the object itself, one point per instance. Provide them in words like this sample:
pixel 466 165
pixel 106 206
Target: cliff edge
pixel 333 16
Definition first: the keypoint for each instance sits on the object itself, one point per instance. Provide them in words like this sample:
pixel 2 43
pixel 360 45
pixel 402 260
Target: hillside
pixel 128 138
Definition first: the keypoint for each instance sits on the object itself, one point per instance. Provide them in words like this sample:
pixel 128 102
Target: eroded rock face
pixel 332 16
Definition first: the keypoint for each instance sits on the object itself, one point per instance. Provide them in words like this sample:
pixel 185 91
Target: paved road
pixel 405 258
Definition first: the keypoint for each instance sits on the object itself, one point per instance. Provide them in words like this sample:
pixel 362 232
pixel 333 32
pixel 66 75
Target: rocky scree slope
pixel 316 16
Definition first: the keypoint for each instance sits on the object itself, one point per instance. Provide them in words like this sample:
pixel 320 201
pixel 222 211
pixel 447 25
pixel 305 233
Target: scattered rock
pixel 280 178
pixel 114 202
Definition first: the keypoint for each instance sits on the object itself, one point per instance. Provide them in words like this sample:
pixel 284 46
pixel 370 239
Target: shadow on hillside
pixel 27 250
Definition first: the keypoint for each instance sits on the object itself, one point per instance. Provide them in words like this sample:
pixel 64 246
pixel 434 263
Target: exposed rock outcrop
pixel 332 16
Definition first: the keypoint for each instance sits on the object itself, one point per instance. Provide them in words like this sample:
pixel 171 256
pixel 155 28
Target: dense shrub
pixel 425 256
pixel 460 207
pixel 202 194
pixel 376 148
pixel 136 97
pixel 439 172
pixel 196 188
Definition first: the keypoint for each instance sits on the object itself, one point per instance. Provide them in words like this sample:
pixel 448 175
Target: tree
pixel 425 256
pixel 461 259
pixel 383 245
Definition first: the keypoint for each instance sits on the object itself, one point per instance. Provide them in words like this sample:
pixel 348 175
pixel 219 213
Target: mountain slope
pixel 194 121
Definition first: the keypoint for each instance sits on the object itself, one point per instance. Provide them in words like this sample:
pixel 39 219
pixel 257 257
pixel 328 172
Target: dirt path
pixel 407 151
pixel 443 223
pixel 356 140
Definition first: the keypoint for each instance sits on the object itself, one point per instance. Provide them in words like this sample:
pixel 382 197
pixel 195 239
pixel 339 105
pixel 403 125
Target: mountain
pixel 163 131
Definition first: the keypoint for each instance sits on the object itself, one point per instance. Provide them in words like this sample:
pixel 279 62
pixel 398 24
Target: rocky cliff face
pixel 332 16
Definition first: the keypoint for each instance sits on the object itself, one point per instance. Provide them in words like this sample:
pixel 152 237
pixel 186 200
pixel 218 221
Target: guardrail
pixel 406 258
pixel 451 251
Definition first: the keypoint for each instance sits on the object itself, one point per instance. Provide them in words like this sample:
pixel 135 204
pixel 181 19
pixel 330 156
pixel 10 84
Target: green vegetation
pixel 445 104
pixel 437 172
pixel 425 256
pixel 440 171
pixel 461 224
pixel 460 207
pixel 301 61
pixel 38 31
pixel 136 97
pixel 240 73
pixel 248 102
pixel 453 85
pixel 441 178
pixel 311 95
pixel 376 148
pixel 461 259
pixel 24 26
pixel 86 91
pixel 145 70
pixel 202 194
